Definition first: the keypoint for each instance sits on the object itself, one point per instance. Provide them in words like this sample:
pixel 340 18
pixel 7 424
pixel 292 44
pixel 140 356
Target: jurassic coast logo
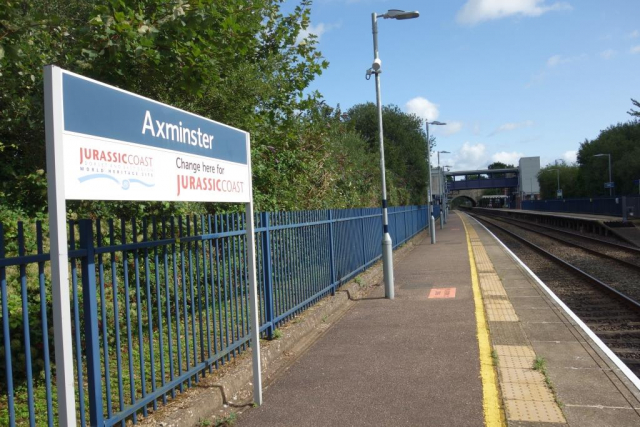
pixel 124 168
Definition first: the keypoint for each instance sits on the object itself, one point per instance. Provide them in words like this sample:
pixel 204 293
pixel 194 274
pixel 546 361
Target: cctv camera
pixel 377 64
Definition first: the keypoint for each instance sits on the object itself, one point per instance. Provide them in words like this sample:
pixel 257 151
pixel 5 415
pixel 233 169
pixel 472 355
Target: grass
pixel 540 365
pixel 229 420
pixel 277 334
pixel 494 357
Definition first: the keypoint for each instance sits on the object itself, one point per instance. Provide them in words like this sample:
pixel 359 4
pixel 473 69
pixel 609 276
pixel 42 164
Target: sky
pixel 511 78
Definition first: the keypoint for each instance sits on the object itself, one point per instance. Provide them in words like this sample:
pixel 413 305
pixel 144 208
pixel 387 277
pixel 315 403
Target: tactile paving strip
pixel 522 376
pixel 534 392
pixel 514 351
pixel 500 311
pixel 526 397
pixel 491 285
pixel 528 410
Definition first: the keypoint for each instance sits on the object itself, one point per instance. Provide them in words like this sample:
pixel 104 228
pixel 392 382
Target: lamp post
pixel 610 183
pixel 387 246
pixel 432 228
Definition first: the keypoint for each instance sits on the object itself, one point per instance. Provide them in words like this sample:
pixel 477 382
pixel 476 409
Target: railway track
pixel 602 291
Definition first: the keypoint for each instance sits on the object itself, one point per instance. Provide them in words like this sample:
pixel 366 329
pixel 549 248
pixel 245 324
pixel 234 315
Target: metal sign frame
pixel 55 129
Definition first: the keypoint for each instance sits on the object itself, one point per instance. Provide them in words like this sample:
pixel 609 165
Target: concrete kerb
pixel 229 388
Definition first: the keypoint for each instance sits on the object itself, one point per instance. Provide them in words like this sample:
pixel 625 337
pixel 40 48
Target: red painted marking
pixel 442 293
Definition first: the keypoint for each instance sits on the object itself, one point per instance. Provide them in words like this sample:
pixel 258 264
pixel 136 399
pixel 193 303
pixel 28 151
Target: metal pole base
pixel 432 229
pixel 441 220
pixel 387 266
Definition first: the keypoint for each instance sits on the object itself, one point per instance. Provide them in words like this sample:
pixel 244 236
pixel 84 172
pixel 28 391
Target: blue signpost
pixel 104 143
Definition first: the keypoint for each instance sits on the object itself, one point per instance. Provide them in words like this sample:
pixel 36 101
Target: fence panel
pixel 157 303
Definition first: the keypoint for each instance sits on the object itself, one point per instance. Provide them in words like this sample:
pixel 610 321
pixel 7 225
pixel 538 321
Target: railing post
pixel 332 260
pixel 364 253
pixel 267 273
pixel 90 305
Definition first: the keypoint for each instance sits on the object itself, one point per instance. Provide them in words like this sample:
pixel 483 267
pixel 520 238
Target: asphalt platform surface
pixel 411 361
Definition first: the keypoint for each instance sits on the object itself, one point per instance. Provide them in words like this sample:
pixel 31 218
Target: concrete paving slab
pixel 565 354
pixel 572 386
pixel 538 315
pixel 547 332
pixel 601 417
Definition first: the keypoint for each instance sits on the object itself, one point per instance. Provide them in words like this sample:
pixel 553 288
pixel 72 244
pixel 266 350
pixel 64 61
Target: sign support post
pixel 104 144
pixel 59 251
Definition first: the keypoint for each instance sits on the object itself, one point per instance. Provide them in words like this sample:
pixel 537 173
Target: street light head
pixel 437 123
pixel 377 64
pixel 600 155
pixel 444 152
pixel 400 14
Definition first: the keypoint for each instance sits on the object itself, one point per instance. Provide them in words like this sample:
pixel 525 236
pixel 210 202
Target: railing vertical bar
pixel 6 335
pixel 25 325
pixel 91 332
pixel 218 282
pixel 165 256
pixel 76 321
pixel 116 318
pixel 184 298
pixel 103 316
pixel 332 262
pixel 267 276
pixel 136 266
pixel 147 271
pixel 176 296
pixel 229 281
pixel 213 292
pixel 236 264
pixel 157 266
pixel 205 284
pixel 242 265
pixel 196 283
pixel 127 307
pixel 43 321
pixel 224 224
pixel 192 284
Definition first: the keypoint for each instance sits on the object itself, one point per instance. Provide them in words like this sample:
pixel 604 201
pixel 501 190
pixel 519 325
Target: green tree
pixel 405 148
pixel 622 141
pixel 230 60
pixel 569 181
pixel 633 112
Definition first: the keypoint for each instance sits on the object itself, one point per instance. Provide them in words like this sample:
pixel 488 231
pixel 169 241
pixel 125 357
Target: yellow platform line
pixel 491 403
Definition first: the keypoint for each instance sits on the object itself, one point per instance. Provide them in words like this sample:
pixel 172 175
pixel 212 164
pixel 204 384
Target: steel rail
pixel 569 233
pixel 624 298
pixel 575 245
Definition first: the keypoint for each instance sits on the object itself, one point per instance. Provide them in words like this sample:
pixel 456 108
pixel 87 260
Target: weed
pixel 277 334
pixel 229 420
pixel 494 357
pixel 204 423
pixel 358 280
pixel 324 318
pixel 540 365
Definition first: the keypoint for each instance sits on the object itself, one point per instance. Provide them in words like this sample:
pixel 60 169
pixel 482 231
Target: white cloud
pixel 634 34
pixel 511 126
pixel 635 49
pixel 475 11
pixel 570 156
pixel 608 54
pixel 451 128
pixel 507 158
pixel 318 30
pixel 556 60
pixel 469 156
pixel 422 108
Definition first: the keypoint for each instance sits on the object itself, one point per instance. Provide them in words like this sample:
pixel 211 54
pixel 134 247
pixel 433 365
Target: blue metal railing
pixel 157 303
pixel 611 206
